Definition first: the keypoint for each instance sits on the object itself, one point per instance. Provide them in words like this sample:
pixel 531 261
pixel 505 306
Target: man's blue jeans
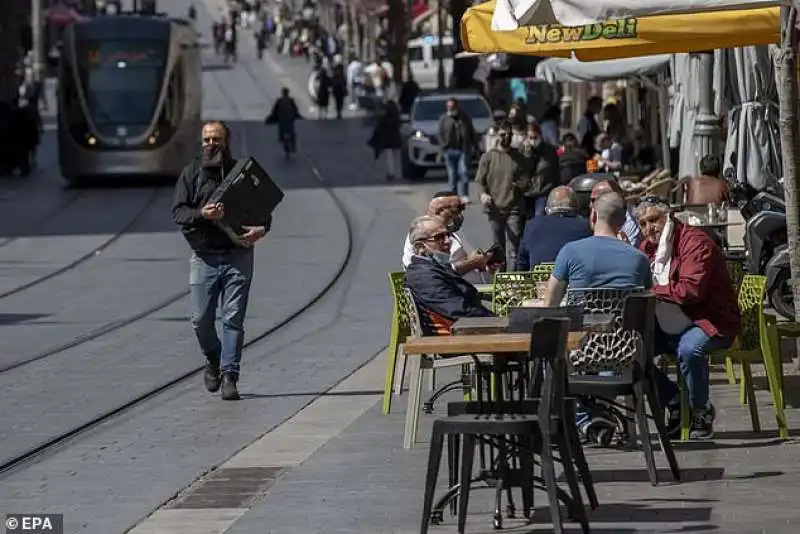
pixel 692 348
pixel 455 161
pixel 222 277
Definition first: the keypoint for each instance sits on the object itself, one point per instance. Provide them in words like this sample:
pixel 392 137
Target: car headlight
pixel 419 136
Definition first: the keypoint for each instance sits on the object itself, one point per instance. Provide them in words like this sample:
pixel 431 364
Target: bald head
pixel 441 204
pixel 562 200
pixel 609 209
pixel 606 186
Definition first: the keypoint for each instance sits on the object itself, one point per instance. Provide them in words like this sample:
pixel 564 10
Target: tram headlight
pixel 151 140
pixel 91 140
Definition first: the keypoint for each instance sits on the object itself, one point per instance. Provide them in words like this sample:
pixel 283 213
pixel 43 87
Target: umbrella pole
pixel 38 42
pixel 706 128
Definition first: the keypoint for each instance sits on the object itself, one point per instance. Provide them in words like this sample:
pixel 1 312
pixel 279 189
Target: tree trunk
pixel 10 42
pixel 397 29
pixel 786 79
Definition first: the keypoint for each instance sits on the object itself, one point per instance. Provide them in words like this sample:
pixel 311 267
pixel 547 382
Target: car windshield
pixel 431 110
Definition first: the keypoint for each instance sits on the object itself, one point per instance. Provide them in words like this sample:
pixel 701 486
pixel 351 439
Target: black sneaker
pixel 229 390
pixel 703 424
pixel 211 377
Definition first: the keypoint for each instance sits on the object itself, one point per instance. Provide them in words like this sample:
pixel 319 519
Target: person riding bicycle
pixel 284 113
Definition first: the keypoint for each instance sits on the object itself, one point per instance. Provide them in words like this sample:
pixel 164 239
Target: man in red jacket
pixel 697 311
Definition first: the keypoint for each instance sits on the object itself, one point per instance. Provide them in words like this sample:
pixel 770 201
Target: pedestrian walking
pixel 220 270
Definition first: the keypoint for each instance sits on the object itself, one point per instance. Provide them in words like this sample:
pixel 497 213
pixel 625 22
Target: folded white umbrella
pixel 511 14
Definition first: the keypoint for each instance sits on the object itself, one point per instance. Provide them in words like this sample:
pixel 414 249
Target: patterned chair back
pixel 614 350
pixel 541 272
pixel 413 312
pixel 751 308
pixel 400 309
pixel 735 273
pixel 511 289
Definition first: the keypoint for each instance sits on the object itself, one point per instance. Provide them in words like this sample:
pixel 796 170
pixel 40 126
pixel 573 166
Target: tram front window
pixel 122 82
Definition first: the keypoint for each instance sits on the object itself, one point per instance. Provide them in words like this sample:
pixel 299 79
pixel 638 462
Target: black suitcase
pixel 249 196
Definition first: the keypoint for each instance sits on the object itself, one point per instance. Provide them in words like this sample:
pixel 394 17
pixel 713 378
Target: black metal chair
pixel 636 381
pixel 521 429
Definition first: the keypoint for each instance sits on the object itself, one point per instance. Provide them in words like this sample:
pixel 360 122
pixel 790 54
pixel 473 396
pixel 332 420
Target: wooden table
pixel 478 344
pixel 593 322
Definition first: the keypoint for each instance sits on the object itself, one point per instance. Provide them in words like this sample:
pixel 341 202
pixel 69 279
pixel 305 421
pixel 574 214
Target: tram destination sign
pixel 123 53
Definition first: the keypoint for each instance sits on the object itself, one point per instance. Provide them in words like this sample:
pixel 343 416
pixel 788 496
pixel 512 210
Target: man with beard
pixel 220 270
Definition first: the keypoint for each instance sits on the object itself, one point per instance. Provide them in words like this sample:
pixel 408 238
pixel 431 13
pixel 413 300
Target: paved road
pixel 109 479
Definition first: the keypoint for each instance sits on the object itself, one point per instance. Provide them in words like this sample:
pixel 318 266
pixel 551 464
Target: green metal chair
pixel 400 330
pixel 736 274
pixel 512 288
pixel 756 343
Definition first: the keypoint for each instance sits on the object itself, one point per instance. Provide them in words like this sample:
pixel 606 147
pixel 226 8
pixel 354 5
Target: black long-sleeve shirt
pixel 193 190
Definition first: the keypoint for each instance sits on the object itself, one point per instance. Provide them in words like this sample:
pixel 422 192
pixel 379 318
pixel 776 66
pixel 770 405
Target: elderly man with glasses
pixel 697 312
pixel 472 265
pixel 441 294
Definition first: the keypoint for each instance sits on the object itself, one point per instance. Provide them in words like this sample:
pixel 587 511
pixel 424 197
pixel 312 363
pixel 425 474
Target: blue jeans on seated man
pixel 590 413
pixel 222 277
pixel 691 348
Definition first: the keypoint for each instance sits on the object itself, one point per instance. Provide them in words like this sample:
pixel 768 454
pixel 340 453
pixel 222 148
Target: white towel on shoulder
pixel 670 316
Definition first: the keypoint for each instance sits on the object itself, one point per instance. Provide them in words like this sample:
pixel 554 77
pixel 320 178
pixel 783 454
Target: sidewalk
pixel 362 481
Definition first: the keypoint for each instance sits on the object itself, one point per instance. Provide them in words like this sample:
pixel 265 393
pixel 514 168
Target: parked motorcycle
pixel 765 238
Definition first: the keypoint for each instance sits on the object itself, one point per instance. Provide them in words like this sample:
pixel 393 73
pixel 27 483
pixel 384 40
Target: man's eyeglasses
pixel 212 139
pixel 441 236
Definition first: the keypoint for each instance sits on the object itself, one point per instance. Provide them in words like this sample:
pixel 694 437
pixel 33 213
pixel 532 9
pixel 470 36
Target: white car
pixel 421 151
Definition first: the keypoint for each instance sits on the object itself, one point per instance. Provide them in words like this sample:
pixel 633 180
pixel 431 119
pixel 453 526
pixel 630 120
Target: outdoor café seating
pixel 524 419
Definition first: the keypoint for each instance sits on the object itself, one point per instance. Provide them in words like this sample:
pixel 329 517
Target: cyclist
pixel 284 113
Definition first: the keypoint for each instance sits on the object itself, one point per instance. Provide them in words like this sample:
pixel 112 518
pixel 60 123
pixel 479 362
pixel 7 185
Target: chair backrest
pixel 548 380
pixel 613 350
pixel 735 273
pixel 541 272
pixel 638 317
pixel 751 308
pixel 401 308
pixel 511 289
pixel 413 313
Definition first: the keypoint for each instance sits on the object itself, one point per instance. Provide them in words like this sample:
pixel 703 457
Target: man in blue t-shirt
pixel 602 260
pixel 544 236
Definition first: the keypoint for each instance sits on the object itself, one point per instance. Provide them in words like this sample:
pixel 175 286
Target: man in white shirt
pixel 468 263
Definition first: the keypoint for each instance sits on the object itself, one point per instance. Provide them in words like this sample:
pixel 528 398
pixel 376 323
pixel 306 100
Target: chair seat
pixel 488 424
pixel 611 386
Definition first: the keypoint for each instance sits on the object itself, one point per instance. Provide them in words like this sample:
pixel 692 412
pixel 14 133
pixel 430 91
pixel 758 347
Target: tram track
pixel 130 225
pixel 47 216
pixel 9 464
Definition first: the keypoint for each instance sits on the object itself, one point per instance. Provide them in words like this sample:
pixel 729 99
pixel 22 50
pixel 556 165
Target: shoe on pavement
pixel 229 391
pixel 211 377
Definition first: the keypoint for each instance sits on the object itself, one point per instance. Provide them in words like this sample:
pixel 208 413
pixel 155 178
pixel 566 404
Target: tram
pixel 129 97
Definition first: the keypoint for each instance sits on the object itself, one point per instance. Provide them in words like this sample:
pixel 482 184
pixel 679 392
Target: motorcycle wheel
pixel 778 295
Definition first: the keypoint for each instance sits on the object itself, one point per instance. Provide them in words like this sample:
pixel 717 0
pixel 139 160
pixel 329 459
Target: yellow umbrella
pixel 630 37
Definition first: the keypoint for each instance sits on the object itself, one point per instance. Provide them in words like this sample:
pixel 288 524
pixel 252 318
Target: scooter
pixel 765 239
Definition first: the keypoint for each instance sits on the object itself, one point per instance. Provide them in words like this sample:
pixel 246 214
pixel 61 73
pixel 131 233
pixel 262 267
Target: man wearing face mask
pixel 441 294
pixel 503 175
pixel 457 139
pixel 220 270
pixel 544 165
pixel 472 265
